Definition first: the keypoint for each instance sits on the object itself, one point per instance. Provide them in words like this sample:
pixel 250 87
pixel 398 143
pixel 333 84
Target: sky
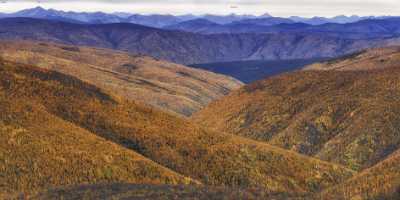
pixel 280 8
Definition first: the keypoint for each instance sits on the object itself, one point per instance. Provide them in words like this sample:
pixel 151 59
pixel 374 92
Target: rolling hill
pixel 346 117
pixel 370 59
pixel 85 113
pixel 39 149
pixel 190 48
pixel 381 182
pixel 154 192
pixel 54 123
pixel 171 87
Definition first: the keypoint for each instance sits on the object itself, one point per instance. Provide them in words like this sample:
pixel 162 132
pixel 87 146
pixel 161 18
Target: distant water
pixel 253 70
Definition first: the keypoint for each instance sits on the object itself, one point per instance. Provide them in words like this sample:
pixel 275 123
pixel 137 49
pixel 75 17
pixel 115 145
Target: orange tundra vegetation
pixel 59 130
pixel 347 117
pixel 171 87
pixel 344 111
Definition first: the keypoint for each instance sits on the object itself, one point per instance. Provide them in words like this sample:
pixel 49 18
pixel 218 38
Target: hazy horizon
pixel 282 8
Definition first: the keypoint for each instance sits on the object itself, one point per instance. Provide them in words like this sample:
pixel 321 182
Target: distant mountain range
pixel 324 41
pixel 369 27
pixel 155 20
pixel 85 114
pixel 341 19
pixel 256 25
pixel 160 21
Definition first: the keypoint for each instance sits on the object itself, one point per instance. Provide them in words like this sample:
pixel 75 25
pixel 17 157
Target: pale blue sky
pixel 284 8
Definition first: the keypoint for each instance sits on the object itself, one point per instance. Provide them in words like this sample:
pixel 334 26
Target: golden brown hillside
pixel 213 158
pixel 369 59
pixel 39 150
pixel 120 191
pixel 379 182
pixel 350 117
pixel 171 87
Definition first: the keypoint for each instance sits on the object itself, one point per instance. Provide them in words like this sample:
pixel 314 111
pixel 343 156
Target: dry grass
pixel 171 87
pixel 39 150
pixel 350 118
pixel 344 111
pixel 152 192
pixel 380 182
pixel 213 158
pixel 370 59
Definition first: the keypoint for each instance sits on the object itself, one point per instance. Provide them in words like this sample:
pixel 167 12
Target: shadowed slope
pixel 213 158
pixel 171 87
pixel 40 150
pixel 349 118
pixel 190 48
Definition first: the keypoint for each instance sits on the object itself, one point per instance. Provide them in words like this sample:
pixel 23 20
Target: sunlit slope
pixel 39 150
pixel 349 118
pixel 154 192
pixel 369 59
pixel 379 182
pixel 168 86
pixel 213 158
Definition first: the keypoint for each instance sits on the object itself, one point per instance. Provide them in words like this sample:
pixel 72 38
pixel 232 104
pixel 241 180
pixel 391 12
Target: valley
pixel 184 153
pixel 119 105
pixel 317 113
pixel 253 70
pixel 190 151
